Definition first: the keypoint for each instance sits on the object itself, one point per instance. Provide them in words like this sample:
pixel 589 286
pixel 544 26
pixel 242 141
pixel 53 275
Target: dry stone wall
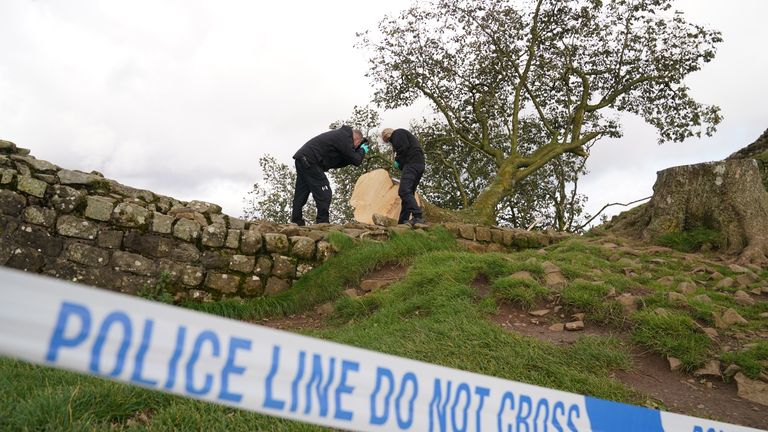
pixel 86 228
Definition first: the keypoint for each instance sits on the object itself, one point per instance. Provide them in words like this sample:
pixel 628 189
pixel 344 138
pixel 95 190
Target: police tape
pixel 160 347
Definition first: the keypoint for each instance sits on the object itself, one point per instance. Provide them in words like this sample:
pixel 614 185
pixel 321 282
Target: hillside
pixel 599 314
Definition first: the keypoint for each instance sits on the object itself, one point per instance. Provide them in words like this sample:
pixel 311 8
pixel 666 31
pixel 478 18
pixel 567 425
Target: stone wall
pixel 86 228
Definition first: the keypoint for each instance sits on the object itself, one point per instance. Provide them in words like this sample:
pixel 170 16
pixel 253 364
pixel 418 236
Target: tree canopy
pixel 522 83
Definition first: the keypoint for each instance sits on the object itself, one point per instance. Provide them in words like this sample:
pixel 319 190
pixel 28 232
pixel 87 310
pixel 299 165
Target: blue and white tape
pixel 128 339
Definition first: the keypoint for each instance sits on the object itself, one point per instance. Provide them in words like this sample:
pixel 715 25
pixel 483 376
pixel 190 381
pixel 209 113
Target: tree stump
pixel 726 196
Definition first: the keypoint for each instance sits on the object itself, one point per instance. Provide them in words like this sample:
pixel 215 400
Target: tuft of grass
pixel 525 292
pixel 161 291
pixel 752 360
pixel 692 240
pixel 591 298
pixel 672 335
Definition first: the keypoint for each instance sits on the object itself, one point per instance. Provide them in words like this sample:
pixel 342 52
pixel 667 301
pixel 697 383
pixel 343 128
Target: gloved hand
pixel 365 147
pixel 396 164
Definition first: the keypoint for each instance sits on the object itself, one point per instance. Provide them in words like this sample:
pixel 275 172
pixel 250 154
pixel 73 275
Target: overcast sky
pixel 182 97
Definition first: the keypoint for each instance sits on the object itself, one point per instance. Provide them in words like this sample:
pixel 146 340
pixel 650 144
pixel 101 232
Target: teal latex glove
pixel 396 165
pixel 365 147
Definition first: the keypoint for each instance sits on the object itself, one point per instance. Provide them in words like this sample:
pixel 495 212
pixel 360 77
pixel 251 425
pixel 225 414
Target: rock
pixel 373 284
pixel 72 226
pixel 383 220
pixel 242 263
pixel 204 207
pixel 351 292
pixel 725 283
pixel 69 177
pixel 737 268
pixel 731 370
pixel 32 186
pixel 540 312
pixel 276 243
pixel 86 255
pixel 752 390
pixel 303 247
pixel 186 229
pixel 628 302
pixel 677 298
pixel 729 318
pixel 250 242
pixel 324 251
pixel 711 333
pixel 557 327
pixel 133 263
pixel 483 233
pixel 555 280
pixel 39 216
pixel 661 312
pixel 667 281
pixel 162 223
pixel 674 364
pixel 214 235
pixel 11 203
pixel 703 298
pixel 283 266
pixel 325 309
pixel 522 275
pixel 712 368
pixel 253 286
pixel 225 283
pixel 65 199
pixel 578 316
pixel 742 298
pixel 574 326
pixel 99 208
pixel 130 215
pixel 686 287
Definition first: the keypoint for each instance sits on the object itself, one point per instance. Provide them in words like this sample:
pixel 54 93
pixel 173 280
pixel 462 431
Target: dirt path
pixel 650 374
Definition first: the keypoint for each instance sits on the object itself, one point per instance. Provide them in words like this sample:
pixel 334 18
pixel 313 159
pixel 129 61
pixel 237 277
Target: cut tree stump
pixel 726 196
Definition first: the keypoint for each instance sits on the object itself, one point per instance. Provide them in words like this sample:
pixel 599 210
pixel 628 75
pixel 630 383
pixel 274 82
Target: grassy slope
pixel 431 315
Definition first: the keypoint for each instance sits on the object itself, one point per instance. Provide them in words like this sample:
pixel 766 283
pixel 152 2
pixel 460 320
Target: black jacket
pixel 407 148
pixel 332 149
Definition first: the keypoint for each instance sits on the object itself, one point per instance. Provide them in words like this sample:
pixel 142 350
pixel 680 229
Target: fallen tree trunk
pixel 726 196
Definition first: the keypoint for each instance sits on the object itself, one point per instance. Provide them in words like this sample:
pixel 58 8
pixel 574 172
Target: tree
pixel 570 67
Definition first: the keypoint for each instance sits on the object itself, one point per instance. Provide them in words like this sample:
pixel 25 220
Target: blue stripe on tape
pixel 613 416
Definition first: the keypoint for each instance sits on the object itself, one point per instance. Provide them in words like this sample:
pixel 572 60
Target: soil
pixel 650 374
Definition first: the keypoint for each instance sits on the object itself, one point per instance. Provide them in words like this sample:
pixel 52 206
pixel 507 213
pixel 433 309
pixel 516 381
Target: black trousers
pixel 310 178
pixel 409 181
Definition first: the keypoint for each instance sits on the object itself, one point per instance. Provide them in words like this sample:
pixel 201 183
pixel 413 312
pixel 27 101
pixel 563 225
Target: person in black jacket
pixel 409 157
pixel 333 149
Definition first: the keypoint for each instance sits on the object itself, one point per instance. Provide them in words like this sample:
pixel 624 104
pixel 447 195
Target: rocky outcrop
pixel 86 228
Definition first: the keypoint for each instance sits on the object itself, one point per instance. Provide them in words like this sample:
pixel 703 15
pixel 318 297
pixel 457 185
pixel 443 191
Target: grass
pixel 692 240
pixel 753 361
pixel 434 315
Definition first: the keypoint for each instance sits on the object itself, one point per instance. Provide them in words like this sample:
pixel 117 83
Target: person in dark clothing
pixel 409 157
pixel 333 149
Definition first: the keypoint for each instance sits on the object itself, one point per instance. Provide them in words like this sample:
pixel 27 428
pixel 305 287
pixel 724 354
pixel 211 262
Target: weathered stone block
pixel 65 199
pixel 237 224
pixel 69 177
pixel 263 266
pixel 324 251
pixel 253 286
pixel 149 244
pixel 50 179
pixel 72 226
pixel 87 255
pixel 186 229
pixel 467 231
pixel 133 263
pixel 36 164
pixel 204 207
pixel 99 208
pixel 40 216
pixel 233 239
pixel 110 239
pixel 133 284
pixel 303 269
pixel 214 235
pixel 39 239
pixel 283 266
pixel 222 282
pixel 7 175
pixel 215 260
pixel 251 242
pixel 276 285
pixel 276 243
pixel 32 186
pixel 483 234
pixel 192 275
pixel 27 259
pixel 11 203
pixel 162 223
pixel 242 263
pixel 186 252
pixel 130 215
pixel 303 248
pixel 497 236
